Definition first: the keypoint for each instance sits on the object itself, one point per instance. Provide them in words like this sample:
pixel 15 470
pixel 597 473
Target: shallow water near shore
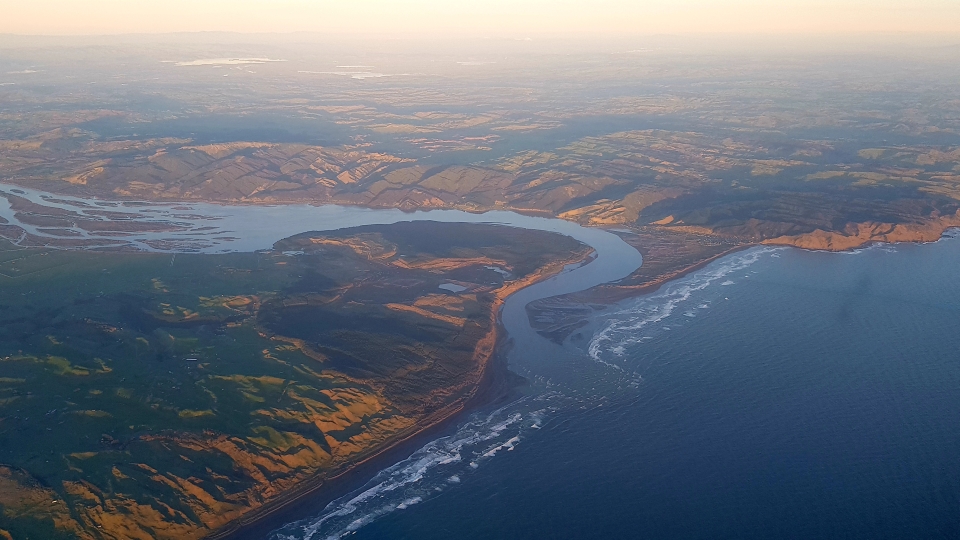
pixel 200 227
pixel 776 393
pixel 195 227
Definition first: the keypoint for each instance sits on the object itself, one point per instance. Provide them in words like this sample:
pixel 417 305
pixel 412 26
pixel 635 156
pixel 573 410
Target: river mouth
pixel 196 227
pixel 774 393
pixel 42 219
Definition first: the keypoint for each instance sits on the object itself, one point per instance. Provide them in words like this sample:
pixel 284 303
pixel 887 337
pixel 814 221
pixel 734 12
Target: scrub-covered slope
pixel 152 396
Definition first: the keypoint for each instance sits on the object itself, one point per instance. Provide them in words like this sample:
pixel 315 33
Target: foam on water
pixel 627 326
pixel 888 248
pixel 438 465
pixel 449 463
pixel 211 228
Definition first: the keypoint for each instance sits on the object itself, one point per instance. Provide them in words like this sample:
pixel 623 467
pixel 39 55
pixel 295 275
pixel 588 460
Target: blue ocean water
pixel 777 393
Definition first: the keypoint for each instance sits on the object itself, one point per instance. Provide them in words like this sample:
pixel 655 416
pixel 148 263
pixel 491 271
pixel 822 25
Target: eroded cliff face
pixel 856 235
pixel 671 249
pixel 151 398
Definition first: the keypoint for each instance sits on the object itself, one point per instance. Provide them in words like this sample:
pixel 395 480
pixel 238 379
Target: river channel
pixel 196 227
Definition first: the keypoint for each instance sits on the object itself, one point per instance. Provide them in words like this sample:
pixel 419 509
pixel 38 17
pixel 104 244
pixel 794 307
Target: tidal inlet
pixel 417 270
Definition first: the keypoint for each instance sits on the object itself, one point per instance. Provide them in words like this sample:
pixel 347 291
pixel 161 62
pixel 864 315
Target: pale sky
pixel 480 17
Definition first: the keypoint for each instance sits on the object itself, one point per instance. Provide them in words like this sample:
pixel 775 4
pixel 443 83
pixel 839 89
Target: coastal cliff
pixel 857 235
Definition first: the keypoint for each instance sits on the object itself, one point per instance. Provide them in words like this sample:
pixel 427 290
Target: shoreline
pixel 569 313
pixel 614 293
pixel 495 384
pixel 295 504
pixel 298 504
pixel 857 234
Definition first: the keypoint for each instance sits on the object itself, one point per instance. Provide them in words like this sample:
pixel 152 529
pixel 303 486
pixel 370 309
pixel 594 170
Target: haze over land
pixel 198 390
pixel 813 149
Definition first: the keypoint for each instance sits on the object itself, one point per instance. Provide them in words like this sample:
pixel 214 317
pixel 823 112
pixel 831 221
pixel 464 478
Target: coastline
pixel 563 315
pixel 613 293
pixel 491 383
pixel 312 495
pixel 494 384
pixel 864 234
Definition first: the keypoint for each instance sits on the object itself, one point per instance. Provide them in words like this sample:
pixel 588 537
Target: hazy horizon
pixel 244 44
pixel 498 18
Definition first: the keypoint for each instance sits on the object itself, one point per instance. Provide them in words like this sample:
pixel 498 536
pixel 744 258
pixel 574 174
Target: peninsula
pixel 151 396
pixel 147 395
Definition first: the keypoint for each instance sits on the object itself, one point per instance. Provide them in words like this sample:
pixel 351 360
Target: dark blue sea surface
pixel 777 393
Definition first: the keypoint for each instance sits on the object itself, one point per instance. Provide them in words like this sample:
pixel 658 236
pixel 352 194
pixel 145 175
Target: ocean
pixel 776 393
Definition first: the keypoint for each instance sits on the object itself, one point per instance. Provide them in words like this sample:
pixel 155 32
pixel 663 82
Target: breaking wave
pixel 439 465
pixel 629 326
pixel 448 462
